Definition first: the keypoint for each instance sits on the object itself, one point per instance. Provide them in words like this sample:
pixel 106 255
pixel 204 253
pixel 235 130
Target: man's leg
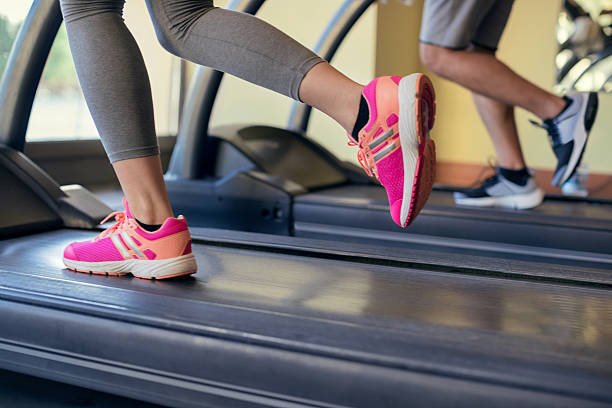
pixel 459 39
pixel 484 74
pixel 512 186
pixel 498 118
pixel 449 28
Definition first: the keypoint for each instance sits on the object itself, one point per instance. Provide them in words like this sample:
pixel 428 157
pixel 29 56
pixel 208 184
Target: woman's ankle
pixel 329 91
pixel 142 182
pixel 150 211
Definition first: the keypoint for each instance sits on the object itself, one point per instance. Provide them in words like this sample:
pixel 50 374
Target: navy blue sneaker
pixel 569 132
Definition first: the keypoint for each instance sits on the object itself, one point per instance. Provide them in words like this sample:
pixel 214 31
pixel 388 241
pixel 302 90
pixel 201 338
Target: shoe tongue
pixel 491 181
pixel 363 117
pixel 127 208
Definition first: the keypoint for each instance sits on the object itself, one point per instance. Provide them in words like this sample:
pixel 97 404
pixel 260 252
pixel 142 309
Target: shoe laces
pixel 491 181
pixel 551 128
pixel 480 179
pixel 361 156
pixel 121 222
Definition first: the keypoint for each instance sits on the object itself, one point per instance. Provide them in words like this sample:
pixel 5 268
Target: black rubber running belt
pixel 271 329
pixel 433 254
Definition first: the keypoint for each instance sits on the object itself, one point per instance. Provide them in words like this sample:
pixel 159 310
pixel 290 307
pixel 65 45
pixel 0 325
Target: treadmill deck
pixel 279 327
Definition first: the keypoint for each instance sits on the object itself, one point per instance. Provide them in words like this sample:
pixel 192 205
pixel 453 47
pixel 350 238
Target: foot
pixel 569 132
pixel 126 248
pixel 499 191
pixel 394 145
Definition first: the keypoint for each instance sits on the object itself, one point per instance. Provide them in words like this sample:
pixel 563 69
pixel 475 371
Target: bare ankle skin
pixel 143 184
pixel 329 91
pixel 499 120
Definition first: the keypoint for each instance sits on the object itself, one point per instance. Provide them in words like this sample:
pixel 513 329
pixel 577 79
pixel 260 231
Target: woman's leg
pixel 332 93
pixel 251 49
pixel 116 86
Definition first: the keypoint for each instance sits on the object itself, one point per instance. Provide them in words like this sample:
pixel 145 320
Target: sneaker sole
pixel 417 114
pixel 581 135
pixel 517 202
pixel 139 268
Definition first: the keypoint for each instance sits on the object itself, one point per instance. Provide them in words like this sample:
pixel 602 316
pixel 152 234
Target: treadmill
pixel 281 321
pixel 253 178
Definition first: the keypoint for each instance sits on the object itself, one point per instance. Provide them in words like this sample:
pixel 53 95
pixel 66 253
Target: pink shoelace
pixel 361 156
pixel 121 220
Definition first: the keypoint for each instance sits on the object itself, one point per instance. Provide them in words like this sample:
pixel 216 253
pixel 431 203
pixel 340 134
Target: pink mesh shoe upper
pixel 391 175
pixel 97 251
pixel 381 95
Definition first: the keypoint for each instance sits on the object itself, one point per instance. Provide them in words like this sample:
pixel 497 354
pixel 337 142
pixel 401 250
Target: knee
pixel 173 20
pixel 434 58
pixel 76 9
pixel 167 38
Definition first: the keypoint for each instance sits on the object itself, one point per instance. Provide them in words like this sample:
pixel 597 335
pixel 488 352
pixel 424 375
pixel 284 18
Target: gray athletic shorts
pixel 456 24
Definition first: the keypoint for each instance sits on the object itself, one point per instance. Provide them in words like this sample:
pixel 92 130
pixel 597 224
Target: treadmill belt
pixel 326 214
pixel 271 329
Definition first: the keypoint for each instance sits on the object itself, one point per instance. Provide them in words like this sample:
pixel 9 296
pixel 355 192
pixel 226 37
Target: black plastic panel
pixel 248 201
pixel 21 208
pixel 285 153
pixel 34 194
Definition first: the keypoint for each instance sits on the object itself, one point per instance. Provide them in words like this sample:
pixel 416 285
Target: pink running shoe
pixel 395 146
pixel 127 248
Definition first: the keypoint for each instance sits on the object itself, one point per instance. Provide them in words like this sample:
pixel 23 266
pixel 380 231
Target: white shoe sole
pixel 140 268
pixel 517 201
pixel 409 138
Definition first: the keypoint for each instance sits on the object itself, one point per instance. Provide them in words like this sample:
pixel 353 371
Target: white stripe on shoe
pixel 380 155
pixel 381 139
pixel 132 244
pixel 120 247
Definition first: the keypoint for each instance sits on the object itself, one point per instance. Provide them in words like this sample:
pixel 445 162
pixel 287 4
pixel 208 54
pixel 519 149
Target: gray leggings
pixel 114 78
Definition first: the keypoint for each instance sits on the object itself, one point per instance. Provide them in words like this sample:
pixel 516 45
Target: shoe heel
pixel 591 111
pixel 165 268
pixel 426 107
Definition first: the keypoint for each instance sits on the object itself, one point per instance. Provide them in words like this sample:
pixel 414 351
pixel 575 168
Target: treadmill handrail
pixel 24 70
pixel 334 34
